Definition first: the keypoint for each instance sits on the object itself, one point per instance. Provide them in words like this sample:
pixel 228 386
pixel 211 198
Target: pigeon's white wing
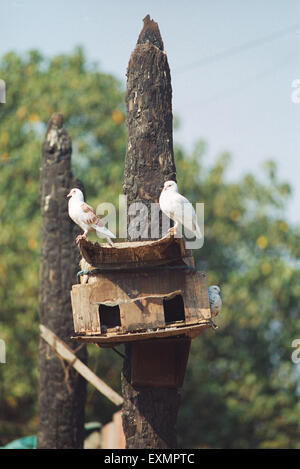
pixel 181 211
pixel 90 217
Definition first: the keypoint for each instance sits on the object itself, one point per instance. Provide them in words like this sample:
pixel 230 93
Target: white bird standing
pixel 215 300
pixel 178 208
pixel 85 217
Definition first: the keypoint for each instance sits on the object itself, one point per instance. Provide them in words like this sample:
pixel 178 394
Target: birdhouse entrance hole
pixel 174 309
pixel 109 317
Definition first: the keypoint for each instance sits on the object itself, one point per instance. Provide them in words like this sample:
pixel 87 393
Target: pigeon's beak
pixel 69 195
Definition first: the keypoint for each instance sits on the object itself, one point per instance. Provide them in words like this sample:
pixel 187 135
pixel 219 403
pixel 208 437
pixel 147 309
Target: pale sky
pixel 232 65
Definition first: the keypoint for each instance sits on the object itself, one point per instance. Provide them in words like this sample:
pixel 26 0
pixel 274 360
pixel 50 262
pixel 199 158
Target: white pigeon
pixel 178 208
pixel 215 300
pixel 85 217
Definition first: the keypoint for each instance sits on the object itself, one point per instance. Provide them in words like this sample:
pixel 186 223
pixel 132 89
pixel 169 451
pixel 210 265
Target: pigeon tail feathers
pixel 103 232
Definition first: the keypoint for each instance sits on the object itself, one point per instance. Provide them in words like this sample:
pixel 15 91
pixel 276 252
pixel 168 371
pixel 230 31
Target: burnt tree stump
pixel 62 390
pixel 149 157
pixel 149 413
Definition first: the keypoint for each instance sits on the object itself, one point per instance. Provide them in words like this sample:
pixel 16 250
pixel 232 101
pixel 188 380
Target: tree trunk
pixel 149 158
pixel 149 414
pixel 62 390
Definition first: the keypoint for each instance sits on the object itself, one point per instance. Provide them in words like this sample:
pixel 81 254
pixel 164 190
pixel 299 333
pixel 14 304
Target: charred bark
pixel 149 158
pixel 149 414
pixel 62 390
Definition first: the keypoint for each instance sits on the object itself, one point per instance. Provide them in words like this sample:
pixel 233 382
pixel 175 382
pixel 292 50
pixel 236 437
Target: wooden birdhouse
pixel 137 291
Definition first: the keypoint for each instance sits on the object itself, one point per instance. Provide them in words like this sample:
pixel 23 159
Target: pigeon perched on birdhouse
pixel 215 300
pixel 85 217
pixel 178 208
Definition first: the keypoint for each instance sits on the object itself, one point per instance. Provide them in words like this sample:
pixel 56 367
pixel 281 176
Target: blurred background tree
pixel 241 389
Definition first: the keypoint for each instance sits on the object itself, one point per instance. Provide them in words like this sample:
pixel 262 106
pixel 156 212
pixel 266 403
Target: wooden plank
pixel 117 338
pixel 160 362
pixel 201 291
pixel 67 354
pixel 76 317
pixel 139 296
pixel 85 314
pixel 196 297
pixel 78 320
pixel 85 308
pixel 121 287
pixel 162 251
pixel 142 314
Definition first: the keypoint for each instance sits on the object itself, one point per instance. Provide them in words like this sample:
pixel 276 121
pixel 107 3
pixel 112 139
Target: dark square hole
pixel 109 317
pixel 174 309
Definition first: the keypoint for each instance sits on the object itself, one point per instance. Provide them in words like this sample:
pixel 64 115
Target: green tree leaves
pixel 241 385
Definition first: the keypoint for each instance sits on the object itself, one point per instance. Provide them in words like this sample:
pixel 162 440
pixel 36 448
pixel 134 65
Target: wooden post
pixel 149 413
pixel 62 391
pixel 67 354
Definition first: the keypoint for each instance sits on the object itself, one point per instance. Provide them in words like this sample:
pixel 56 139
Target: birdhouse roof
pixel 134 254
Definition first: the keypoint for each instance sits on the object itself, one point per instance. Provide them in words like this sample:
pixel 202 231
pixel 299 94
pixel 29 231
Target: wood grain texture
pixel 67 354
pixel 160 362
pixel 110 340
pixel 85 314
pixel 134 254
pixel 140 296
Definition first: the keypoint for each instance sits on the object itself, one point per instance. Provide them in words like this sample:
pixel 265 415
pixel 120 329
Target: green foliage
pixel 240 390
pixel 93 106
pixel 241 385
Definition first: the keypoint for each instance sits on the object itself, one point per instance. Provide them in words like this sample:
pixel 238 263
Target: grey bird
pixel 215 300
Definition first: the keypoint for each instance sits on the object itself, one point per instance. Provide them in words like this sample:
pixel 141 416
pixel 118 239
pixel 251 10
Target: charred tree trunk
pixel 149 158
pixel 149 414
pixel 62 390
